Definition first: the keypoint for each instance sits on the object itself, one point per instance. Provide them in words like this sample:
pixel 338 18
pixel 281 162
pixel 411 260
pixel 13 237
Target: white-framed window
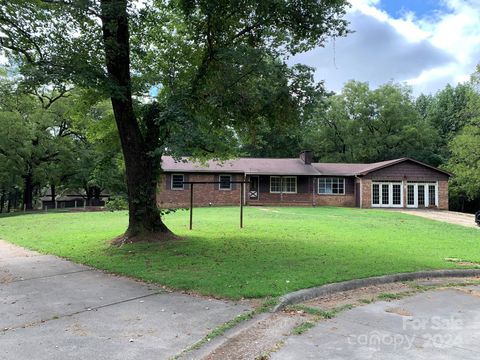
pixel 275 184
pixel 177 182
pixel 225 182
pixel 283 184
pixel 331 186
pixel 387 194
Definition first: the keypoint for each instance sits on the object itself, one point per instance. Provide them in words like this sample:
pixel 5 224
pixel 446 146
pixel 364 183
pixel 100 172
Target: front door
pixel 254 188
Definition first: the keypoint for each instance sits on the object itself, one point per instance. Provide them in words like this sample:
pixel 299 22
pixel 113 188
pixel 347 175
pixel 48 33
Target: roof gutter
pixel 361 190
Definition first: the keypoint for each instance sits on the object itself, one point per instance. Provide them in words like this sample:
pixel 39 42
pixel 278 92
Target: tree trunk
pixel 2 201
pixel 145 222
pixel 88 194
pixel 15 200
pixel 96 193
pixel 28 191
pixel 52 191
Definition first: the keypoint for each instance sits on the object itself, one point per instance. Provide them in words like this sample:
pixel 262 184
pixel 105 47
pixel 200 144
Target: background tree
pixel 99 162
pixel 362 125
pixel 236 57
pixel 464 148
pixel 27 138
pixel 447 113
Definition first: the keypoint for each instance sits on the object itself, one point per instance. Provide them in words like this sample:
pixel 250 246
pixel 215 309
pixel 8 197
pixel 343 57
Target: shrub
pixel 116 204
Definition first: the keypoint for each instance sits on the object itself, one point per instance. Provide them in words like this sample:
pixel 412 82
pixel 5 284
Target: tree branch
pixel 25 34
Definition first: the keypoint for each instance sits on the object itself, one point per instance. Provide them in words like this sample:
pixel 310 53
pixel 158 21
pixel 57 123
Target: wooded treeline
pixel 58 140
pixel 65 139
pixel 76 109
pixel 362 125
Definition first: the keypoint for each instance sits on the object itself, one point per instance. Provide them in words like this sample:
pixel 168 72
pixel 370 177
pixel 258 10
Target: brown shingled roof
pixel 344 169
pixel 263 166
pixel 266 166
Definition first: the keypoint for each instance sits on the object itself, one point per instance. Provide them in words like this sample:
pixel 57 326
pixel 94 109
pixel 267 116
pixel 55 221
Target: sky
pixel 426 44
pixel 423 43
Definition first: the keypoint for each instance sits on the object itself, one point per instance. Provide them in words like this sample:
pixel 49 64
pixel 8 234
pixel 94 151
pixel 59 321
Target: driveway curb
pixel 311 293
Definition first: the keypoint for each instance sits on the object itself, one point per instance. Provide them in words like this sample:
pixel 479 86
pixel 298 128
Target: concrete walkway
pixel 54 309
pixel 451 217
pixel 442 324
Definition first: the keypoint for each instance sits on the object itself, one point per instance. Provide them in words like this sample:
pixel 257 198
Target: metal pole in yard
pixel 191 204
pixel 241 204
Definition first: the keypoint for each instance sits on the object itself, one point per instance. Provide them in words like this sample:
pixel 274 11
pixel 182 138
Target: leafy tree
pixel 98 163
pixel 363 125
pixel 28 144
pixel 219 65
pixel 49 137
pixel 465 162
pixel 447 113
pixel 464 148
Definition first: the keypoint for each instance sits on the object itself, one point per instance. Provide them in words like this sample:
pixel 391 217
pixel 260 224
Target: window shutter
pixel 185 178
pixel 233 185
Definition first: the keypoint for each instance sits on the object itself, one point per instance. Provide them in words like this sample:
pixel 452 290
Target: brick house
pixel 399 183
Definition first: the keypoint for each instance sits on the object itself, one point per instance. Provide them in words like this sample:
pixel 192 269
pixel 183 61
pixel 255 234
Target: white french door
pixel 420 195
pixel 387 194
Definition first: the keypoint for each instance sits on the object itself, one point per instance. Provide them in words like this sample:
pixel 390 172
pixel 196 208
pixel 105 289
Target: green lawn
pixel 278 251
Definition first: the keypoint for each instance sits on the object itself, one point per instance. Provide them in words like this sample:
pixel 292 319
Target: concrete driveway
pixel 442 324
pixel 54 309
pixel 451 217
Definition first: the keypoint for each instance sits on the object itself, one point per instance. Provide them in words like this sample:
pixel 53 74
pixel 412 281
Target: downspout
pixel 361 191
pixel 313 192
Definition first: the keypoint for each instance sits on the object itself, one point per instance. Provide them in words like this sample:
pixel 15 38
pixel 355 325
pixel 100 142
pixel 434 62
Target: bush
pixel 117 204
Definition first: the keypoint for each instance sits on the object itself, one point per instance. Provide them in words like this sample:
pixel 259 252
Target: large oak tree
pixel 220 68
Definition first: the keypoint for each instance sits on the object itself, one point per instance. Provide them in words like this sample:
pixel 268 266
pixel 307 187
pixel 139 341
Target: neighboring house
pixel 395 183
pixel 72 199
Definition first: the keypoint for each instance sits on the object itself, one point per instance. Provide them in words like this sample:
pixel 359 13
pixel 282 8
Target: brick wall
pixel 443 195
pixel 290 199
pixel 335 200
pixel 366 186
pixel 206 194
pixel 203 194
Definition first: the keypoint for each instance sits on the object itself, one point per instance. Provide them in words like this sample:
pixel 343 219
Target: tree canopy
pixel 220 68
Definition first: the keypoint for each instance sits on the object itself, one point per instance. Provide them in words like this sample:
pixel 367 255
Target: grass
pixel 318 313
pixel 389 296
pixel 220 330
pixel 301 328
pixel 279 250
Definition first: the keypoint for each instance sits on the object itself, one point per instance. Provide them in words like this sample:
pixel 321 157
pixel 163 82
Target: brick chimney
pixel 306 156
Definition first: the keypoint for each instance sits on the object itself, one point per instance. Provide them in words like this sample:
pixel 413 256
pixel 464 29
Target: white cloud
pixel 458 34
pixel 426 52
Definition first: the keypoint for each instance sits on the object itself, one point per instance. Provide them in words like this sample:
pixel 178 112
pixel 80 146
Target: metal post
pixel 241 204
pixel 191 204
